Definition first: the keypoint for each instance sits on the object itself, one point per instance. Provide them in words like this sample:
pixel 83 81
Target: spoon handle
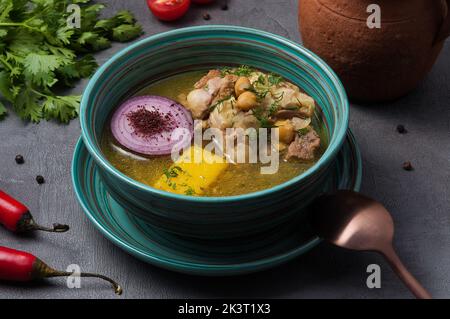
pixel 408 279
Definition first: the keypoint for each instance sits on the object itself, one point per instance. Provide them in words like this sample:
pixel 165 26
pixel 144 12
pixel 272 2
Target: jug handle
pixel 444 31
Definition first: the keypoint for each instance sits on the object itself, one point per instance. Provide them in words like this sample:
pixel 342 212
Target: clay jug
pixel 376 64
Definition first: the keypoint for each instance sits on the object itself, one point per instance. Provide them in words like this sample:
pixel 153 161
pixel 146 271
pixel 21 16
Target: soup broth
pixel 236 179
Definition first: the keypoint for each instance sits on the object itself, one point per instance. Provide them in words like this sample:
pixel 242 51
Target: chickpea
pixel 242 85
pixel 286 131
pixel 247 101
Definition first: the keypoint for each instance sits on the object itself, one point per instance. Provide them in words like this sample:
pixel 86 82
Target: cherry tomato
pixel 202 1
pixel 169 10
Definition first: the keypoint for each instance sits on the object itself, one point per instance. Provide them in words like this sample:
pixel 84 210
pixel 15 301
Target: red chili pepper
pixel 18 265
pixel 16 217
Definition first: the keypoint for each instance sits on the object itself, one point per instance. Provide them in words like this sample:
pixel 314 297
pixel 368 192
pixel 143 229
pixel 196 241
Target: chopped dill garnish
pixel 262 87
pixel 172 172
pixel 303 131
pixel 261 79
pixel 265 122
pixel 260 93
pixel 274 79
pixel 263 119
pixel 299 102
pixel 243 70
pixel 273 108
pixel 279 98
pixel 225 70
pixel 213 106
pixel 190 191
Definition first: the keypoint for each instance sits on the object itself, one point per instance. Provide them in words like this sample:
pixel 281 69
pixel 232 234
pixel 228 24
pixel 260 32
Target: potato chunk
pixel 188 177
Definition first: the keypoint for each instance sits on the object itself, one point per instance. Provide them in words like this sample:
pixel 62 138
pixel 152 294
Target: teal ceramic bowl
pixel 202 256
pixel 193 48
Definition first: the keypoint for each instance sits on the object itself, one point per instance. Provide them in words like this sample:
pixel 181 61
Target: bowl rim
pixel 329 154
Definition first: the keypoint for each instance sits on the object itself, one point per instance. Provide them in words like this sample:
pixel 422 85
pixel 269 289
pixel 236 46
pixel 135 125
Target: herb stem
pixel 11 24
pixel 40 93
pixel 6 63
pixel 38 49
pixel 20 24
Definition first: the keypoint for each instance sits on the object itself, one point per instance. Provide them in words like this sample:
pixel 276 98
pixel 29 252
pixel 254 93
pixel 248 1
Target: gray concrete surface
pixel 419 200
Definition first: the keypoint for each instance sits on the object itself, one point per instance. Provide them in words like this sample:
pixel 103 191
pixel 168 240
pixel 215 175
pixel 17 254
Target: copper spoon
pixel 350 220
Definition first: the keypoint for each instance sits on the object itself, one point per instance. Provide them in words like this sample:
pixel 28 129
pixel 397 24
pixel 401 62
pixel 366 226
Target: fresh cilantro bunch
pixel 40 53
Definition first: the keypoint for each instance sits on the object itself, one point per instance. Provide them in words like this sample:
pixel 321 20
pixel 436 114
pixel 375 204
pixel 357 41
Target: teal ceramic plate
pixel 195 256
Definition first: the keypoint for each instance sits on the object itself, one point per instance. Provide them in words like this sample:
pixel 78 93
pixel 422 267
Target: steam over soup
pixel 153 137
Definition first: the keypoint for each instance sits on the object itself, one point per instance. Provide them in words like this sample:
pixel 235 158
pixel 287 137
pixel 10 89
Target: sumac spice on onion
pixel 147 123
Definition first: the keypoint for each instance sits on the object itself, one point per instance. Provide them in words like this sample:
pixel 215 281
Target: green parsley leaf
pixel 63 107
pixel 274 79
pixel 6 7
pixel 82 68
pixel 3 111
pixel 64 34
pixel 27 104
pixel 5 86
pixel 39 68
pixel 125 16
pixel 126 32
pixel 106 24
pixel 39 49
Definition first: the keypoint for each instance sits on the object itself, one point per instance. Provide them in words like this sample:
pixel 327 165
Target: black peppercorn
pixel 19 159
pixel 224 7
pixel 40 179
pixel 401 129
pixel 206 16
pixel 407 166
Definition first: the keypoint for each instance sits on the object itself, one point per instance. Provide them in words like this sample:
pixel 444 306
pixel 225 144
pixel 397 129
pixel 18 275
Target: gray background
pixel 418 200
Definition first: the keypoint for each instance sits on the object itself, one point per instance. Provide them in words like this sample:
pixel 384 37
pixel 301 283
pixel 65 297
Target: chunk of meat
pixel 213 86
pixel 198 102
pixel 300 123
pixel 289 97
pixel 307 104
pixel 211 74
pixel 226 87
pixel 289 114
pixel 245 120
pixel 209 90
pixel 223 115
pixel 216 85
pixel 304 146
